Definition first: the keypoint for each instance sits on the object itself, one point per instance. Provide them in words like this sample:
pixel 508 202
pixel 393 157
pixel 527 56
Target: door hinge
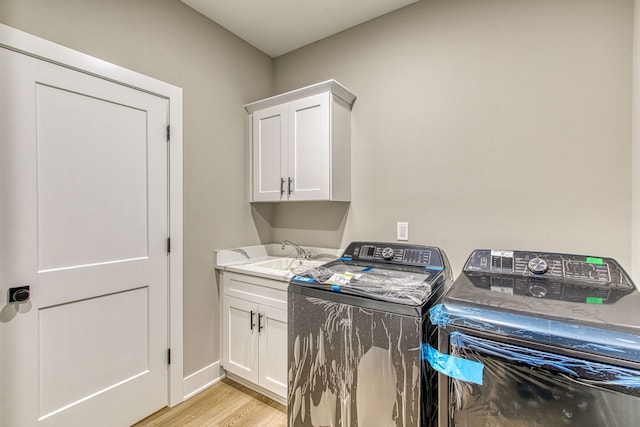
pixel 168 245
pixel 168 133
pixel 168 356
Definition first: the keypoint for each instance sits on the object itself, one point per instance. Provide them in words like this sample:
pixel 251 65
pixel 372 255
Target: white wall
pixel 219 73
pixel 491 123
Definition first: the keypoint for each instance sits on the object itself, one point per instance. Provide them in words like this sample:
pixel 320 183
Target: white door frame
pixel 37 47
pixel 635 149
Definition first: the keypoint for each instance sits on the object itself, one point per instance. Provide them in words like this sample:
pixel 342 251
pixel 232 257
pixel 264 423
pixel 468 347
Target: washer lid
pixel 402 287
pixel 393 272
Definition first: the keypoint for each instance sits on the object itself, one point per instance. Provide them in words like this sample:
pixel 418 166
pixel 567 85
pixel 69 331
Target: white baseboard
pixel 200 380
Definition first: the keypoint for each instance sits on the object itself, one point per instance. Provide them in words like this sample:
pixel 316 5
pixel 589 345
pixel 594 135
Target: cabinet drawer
pixel 272 293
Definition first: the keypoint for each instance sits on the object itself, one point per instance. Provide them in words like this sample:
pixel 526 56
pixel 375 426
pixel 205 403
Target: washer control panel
pixel 395 253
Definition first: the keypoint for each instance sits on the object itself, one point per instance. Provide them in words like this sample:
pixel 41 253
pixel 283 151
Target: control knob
pixel 538 266
pixel 388 253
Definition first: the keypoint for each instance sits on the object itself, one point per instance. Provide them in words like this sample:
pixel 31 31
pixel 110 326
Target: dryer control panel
pixel 549 265
pixel 548 275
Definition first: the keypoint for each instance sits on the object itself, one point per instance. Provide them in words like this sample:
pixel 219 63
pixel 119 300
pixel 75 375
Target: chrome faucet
pixel 300 253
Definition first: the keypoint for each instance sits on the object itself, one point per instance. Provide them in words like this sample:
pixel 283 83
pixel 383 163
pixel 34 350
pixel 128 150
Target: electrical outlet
pixel 402 231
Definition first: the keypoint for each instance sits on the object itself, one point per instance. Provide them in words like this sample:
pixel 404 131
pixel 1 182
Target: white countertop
pixel 271 261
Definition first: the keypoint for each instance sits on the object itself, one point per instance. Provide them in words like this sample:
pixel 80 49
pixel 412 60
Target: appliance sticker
pixel 339 279
pixel 506 254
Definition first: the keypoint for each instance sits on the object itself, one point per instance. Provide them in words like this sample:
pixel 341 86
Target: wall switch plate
pixel 402 231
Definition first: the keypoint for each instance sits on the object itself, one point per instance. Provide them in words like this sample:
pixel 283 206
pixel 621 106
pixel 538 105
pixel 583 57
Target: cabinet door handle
pixel 281 186
pixel 260 326
pixel 289 186
pixel 251 324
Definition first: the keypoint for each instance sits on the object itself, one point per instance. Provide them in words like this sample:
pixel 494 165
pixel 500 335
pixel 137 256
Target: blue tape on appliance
pixel 345 258
pixel 335 288
pixel 454 367
pixel 618 344
pixel 364 270
pixel 302 279
pixel 438 315
pixel 433 267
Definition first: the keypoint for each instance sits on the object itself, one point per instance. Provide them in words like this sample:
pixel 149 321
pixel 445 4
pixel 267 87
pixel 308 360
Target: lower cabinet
pixel 254 331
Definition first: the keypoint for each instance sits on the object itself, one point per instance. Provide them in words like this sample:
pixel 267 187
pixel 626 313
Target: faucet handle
pixel 300 253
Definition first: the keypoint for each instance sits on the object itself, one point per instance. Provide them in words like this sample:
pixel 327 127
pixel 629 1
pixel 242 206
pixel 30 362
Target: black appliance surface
pixel 538 339
pixel 356 330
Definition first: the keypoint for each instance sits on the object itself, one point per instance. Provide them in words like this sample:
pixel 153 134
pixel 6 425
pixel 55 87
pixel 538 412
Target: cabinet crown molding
pixel 327 86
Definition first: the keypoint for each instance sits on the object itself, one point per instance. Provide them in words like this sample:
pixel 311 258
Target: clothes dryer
pixel 538 339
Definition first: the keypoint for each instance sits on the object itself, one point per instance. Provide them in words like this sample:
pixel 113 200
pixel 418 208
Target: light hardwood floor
pixel 223 404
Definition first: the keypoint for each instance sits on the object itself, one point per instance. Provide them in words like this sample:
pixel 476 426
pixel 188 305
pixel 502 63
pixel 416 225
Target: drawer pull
pixel 260 326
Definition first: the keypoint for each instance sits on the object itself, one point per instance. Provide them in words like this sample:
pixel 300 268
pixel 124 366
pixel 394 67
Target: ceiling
pixel 280 26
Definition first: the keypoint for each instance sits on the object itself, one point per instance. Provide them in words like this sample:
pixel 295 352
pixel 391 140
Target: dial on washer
pixel 538 266
pixel 388 253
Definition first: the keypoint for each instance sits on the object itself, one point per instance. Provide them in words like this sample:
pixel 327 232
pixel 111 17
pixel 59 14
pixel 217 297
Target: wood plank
pixel 224 404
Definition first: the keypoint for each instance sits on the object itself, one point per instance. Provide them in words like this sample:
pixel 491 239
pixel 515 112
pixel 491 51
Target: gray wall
pixel 219 73
pixel 493 123
pixel 635 147
pixel 490 123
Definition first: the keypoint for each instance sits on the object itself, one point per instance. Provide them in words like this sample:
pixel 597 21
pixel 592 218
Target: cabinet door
pixel 269 157
pixel 309 148
pixel 240 338
pixel 273 350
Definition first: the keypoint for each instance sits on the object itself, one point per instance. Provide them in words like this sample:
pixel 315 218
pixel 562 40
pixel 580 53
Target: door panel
pixel 308 147
pixel 269 154
pixel 273 350
pixel 99 195
pixel 240 338
pixel 85 183
pixel 69 349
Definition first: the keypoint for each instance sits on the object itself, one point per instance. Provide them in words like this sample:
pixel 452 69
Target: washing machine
pixel 538 339
pixel 357 328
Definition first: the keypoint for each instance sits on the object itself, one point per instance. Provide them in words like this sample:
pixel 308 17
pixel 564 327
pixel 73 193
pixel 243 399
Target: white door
pixel 309 148
pixel 240 338
pixel 269 127
pixel 273 349
pixel 84 210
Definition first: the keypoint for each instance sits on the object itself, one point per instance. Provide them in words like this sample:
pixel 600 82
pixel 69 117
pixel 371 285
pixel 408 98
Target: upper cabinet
pixel 301 145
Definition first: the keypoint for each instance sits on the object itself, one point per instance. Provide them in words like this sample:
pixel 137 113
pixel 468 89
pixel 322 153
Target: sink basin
pixel 275 264
pixel 287 264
